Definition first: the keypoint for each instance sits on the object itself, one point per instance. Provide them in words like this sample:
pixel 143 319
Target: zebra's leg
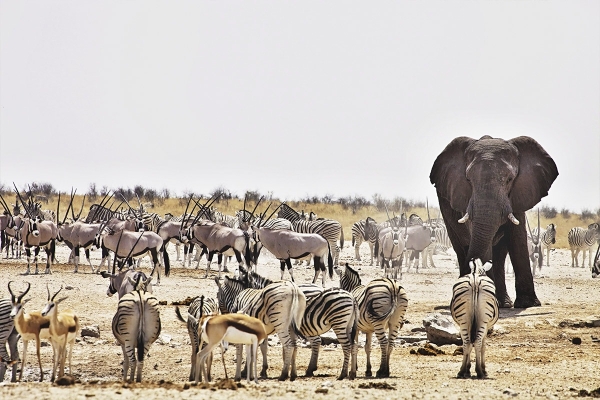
pixel 286 344
pixel 465 369
pixel 384 367
pixel 346 343
pixel 13 341
pixel 315 345
pixel 479 355
pixel 371 250
pixel 368 343
pixel 264 346
pixel 238 362
pixel 357 244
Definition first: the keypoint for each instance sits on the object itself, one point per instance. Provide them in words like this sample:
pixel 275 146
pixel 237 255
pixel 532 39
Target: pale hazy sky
pixel 298 97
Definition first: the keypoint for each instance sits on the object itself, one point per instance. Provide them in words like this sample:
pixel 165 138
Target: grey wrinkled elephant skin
pixel 484 188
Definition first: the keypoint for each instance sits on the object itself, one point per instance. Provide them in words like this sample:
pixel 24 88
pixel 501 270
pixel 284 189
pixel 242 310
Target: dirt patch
pixel 530 353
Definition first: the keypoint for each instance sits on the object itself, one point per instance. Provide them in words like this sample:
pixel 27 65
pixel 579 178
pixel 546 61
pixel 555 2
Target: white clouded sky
pixel 297 98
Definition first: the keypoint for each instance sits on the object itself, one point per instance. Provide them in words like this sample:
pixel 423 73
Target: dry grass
pixel 334 211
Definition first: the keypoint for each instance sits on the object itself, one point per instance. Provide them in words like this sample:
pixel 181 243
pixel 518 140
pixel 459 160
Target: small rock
pixel 164 339
pixel 322 390
pixel 576 340
pixel 91 331
pixel 69 287
pixel 162 302
pixel 510 392
pixel 441 330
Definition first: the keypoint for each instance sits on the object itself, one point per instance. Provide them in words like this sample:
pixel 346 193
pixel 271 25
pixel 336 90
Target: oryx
pixel 127 244
pixel 285 245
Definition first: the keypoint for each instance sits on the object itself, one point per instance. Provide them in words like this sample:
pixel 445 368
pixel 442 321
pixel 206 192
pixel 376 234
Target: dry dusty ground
pixel 530 355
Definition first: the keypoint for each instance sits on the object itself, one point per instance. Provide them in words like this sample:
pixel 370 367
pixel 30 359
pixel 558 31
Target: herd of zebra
pixel 283 307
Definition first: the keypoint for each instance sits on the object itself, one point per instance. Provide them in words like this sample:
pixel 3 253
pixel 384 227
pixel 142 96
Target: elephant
pixel 484 188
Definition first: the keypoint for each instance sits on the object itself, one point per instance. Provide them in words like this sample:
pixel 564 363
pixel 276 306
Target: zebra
pixel 475 309
pixel 364 230
pixel 581 239
pixel 547 239
pixel 10 336
pixel 227 220
pixel 245 219
pixel 330 229
pixel 99 213
pixel 382 304
pixel 136 325
pixel 332 309
pixel 596 266
pixel 280 306
pixel 199 306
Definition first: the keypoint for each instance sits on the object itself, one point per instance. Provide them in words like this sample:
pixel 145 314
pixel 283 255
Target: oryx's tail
pixel 167 262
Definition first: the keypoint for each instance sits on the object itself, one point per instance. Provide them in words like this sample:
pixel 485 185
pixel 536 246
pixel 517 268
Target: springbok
pixel 231 328
pixel 64 327
pixel 31 326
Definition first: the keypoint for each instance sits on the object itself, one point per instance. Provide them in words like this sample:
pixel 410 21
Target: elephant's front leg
pixel 517 248
pixel 499 262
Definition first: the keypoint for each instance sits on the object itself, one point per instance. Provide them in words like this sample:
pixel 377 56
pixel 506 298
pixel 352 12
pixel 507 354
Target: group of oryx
pixel 401 240
pixel 124 236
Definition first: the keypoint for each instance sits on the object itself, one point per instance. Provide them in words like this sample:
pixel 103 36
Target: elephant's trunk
pixel 486 219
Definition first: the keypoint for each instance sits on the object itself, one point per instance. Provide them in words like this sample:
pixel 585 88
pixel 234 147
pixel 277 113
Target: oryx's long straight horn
pixel 274 211
pixel 58 209
pixel 69 207
pixel 257 203
pixel 103 204
pixel 5 204
pixel 81 209
pixel 539 231
pixel 128 205
pixel 25 206
pixel 428 217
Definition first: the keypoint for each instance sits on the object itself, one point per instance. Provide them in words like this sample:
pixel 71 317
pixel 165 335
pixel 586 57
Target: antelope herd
pixel 248 306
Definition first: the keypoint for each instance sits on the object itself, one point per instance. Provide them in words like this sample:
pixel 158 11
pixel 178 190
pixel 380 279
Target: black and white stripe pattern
pixel 581 239
pixel 199 307
pixel 280 306
pixel 365 230
pixel 99 213
pixel 8 335
pixel 382 304
pixel 332 309
pixel 329 229
pixel 136 325
pixel 475 309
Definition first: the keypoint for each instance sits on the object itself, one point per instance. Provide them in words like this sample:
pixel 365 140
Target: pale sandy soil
pixel 530 355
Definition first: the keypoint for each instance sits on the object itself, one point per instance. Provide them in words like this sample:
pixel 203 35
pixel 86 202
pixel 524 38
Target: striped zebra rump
pixel 136 325
pixel 474 308
pixel 8 335
pixel 333 309
pixel 199 307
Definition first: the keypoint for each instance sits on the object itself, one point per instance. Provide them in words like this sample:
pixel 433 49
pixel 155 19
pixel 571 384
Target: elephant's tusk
pixel 464 219
pixel 512 219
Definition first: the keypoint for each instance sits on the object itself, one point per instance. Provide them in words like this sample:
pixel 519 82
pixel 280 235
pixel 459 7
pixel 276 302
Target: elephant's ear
pixel 448 174
pixel 537 171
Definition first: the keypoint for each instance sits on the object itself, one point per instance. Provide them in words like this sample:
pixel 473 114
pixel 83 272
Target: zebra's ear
pixel 487 266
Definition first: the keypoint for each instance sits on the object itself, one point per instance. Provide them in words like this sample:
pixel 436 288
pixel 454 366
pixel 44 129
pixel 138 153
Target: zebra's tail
pixel 376 250
pixel 179 316
pixel 353 240
pixel 342 238
pixel 330 261
pixel 298 308
pixel 167 262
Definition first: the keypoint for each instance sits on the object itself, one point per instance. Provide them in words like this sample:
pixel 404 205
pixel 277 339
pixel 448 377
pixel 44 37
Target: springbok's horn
pixel 52 299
